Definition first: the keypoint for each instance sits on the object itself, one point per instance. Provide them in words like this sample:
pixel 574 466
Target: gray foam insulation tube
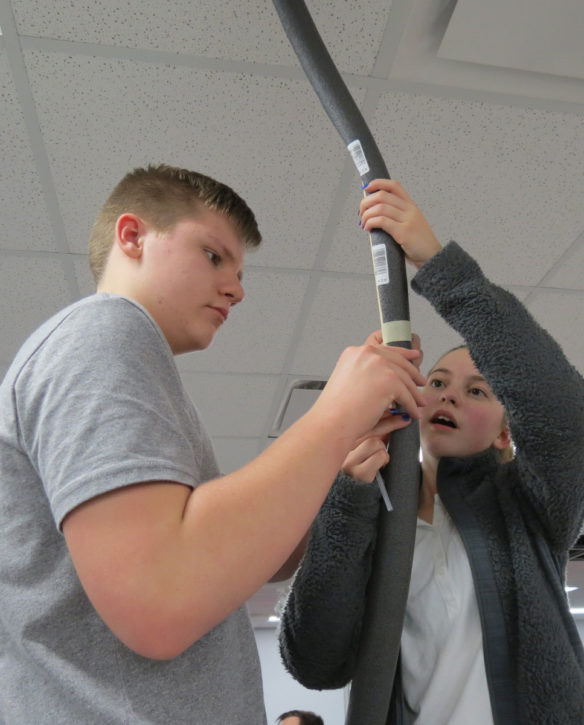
pixel 389 582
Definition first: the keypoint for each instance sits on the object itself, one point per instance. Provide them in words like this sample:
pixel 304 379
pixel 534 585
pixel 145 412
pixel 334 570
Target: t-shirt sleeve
pixel 100 405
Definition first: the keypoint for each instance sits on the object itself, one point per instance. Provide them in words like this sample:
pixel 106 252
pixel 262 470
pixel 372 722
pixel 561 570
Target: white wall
pixel 282 692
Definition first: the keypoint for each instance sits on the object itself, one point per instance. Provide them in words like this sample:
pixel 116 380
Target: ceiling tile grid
pixel 248 30
pixel 111 115
pixel 569 272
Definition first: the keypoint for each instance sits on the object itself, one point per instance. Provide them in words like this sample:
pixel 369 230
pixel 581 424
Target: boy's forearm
pixel 268 506
pixel 292 562
pixel 174 563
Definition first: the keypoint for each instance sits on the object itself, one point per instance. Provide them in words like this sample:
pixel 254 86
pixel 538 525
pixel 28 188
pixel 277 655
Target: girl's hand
pixel 387 206
pixel 370 453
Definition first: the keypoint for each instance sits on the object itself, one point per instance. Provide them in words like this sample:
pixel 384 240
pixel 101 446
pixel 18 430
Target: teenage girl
pixel 487 636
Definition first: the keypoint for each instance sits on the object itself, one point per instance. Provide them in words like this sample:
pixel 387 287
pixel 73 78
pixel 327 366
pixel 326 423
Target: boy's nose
pixel 234 291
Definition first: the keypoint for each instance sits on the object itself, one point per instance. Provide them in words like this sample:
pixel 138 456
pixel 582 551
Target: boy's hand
pixel 367 381
pixel 370 452
pixel 387 206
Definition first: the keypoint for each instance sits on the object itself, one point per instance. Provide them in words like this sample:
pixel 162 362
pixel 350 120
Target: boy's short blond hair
pixel 162 195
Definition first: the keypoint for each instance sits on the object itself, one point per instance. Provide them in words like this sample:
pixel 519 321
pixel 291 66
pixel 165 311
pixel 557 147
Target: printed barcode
pixel 380 264
pixel 358 156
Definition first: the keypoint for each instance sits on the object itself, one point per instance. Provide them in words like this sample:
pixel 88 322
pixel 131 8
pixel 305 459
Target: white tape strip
pixel 358 156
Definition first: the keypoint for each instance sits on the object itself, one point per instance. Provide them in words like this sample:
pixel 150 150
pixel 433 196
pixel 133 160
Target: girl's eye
pixel 477 392
pixel 436 383
pixel 213 257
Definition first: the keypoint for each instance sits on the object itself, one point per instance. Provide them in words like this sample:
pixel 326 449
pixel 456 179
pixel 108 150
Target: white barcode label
pixel 380 264
pixel 358 156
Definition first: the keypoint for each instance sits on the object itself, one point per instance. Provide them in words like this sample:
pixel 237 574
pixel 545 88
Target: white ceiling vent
pixel 541 36
pixel 298 399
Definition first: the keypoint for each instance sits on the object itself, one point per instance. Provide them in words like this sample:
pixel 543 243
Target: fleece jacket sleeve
pixel 528 371
pixel 322 616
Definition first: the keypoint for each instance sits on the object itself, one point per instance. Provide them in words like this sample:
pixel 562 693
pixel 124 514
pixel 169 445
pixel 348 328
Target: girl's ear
pixel 503 440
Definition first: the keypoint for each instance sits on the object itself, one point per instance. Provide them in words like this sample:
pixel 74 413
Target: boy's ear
pixel 130 229
pixel 503 440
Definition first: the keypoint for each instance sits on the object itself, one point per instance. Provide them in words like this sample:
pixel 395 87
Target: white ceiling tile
pixel 562 315
pixel 259 331
pixel 233 453
pixel 343 312
pixel 570 273
pixel 84 277
pixel 231 405
pixel 25 223
pixel 435 335
pixel 520 292
pixel 248 30
pixel 110 116
pixel 483 175
pixel 33 289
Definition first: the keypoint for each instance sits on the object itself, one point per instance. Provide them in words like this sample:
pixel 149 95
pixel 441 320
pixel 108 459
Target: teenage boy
pixel 126 558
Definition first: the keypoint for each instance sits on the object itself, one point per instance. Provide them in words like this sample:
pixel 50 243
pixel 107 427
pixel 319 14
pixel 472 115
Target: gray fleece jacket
pixel 517 520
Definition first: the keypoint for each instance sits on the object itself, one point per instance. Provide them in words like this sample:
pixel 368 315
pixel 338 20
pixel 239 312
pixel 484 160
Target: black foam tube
pixel 389 582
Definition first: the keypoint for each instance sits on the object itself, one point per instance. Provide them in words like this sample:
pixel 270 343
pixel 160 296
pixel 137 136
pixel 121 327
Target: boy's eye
pixel 213 256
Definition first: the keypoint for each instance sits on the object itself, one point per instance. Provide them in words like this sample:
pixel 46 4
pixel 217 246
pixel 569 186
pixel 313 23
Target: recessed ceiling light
pixel 570 589
pixel 273 618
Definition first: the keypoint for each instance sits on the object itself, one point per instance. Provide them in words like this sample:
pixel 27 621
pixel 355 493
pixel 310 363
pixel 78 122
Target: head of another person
pixel 299 717
pixel 462 415
pixel 174 241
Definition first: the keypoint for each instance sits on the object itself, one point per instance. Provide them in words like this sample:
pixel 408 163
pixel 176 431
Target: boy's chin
pixel 197 345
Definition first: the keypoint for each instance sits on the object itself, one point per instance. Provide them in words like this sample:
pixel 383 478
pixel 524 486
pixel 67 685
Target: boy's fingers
pixel 384 427
pixel 403 361
pixel 374 338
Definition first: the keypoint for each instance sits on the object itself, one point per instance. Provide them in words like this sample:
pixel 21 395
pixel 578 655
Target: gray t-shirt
pixel 93 402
